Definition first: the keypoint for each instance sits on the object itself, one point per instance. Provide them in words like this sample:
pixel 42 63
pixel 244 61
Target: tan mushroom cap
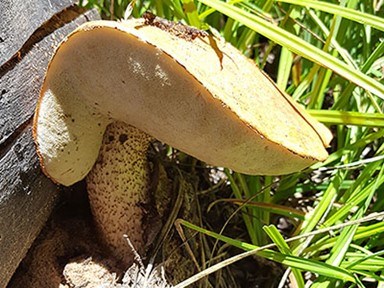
pixel 200 96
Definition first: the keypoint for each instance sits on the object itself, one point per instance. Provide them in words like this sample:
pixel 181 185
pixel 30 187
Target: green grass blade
pixel 357 16
pixel 297 45
pixel 270 207
pixel 247 220
pixel 276 237
pixel 191 13
pixel 332 117
pixel 365 232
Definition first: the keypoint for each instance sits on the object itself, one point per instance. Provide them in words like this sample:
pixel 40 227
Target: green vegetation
pixel 330 58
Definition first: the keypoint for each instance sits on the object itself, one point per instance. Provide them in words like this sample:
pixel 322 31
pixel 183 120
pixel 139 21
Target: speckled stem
pixel 118 187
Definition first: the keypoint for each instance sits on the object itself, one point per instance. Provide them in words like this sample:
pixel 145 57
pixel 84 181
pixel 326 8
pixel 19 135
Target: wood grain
pixel 20 18
pixel 21 80
pixel 26 200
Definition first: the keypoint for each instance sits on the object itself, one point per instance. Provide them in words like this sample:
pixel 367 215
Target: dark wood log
pixel 26 200
pixel 27 197
pixel 21 78
pixel 20 18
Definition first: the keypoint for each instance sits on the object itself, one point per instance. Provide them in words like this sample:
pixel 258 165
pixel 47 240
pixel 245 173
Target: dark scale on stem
pixel 123 138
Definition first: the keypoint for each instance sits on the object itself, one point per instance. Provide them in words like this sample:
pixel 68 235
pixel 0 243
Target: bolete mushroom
pixel 197 94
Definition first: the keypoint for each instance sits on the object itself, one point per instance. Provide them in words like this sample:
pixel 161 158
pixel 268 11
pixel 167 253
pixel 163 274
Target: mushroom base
pixel 67 254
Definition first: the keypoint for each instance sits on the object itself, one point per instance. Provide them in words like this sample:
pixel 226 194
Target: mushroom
pixel 129 80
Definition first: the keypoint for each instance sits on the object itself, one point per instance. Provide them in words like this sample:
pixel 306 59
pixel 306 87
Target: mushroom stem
pixel 117 189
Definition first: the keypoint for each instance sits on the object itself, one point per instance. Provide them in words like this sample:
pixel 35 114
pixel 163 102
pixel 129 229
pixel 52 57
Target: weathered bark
pixel 26 200
pixel 19 19
pixel 26 195
pixel 22 76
